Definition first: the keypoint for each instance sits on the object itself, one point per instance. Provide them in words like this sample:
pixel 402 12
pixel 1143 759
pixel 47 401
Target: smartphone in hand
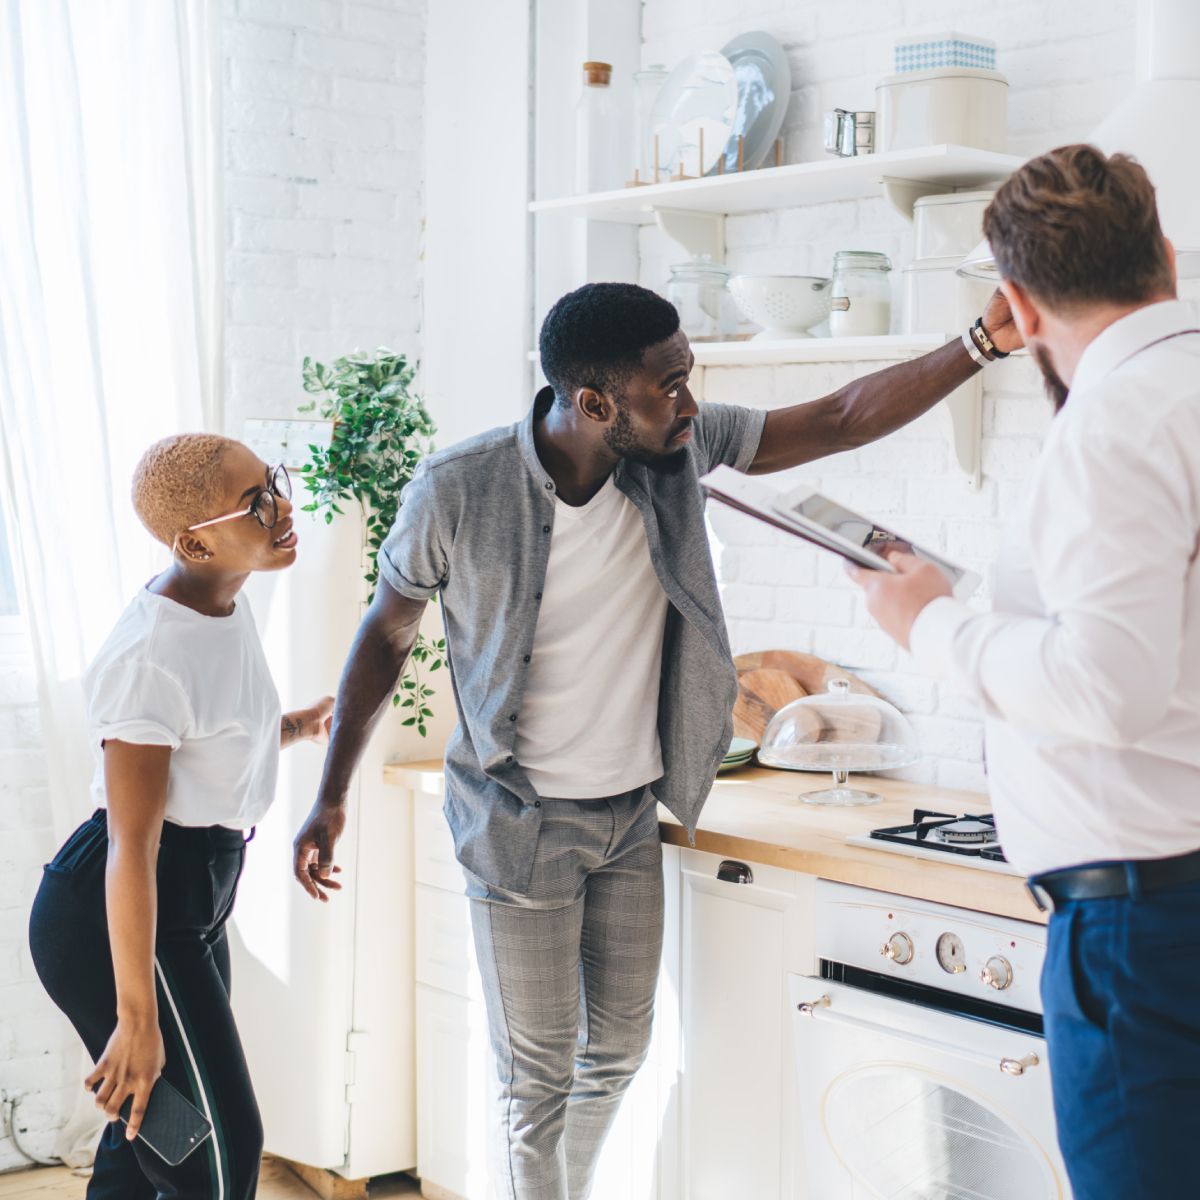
pixel 173 1126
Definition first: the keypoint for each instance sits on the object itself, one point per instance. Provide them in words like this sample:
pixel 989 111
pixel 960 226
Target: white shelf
pixel 940 168
pixel 811 350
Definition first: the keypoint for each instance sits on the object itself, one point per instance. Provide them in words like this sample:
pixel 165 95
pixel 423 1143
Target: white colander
pixel 786 306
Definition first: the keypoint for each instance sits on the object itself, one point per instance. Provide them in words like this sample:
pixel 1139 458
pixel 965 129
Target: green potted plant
pixel 381 431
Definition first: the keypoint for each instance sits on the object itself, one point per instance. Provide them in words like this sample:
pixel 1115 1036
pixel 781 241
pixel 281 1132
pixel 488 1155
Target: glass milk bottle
pixel 597 152
pixel 862 295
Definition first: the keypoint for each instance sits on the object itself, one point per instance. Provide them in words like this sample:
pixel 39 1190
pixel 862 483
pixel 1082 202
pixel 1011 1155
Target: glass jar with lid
pixel 699 292
pixel 862 294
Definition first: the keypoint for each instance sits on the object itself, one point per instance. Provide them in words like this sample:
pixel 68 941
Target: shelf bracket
pixel 697 232
pixel 965 406
pixel 904 193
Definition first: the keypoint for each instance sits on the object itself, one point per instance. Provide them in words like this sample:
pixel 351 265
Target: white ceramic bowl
pixel 786 306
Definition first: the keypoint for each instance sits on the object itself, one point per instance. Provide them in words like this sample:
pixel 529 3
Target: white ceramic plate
pixel 764 88
pixel 700 94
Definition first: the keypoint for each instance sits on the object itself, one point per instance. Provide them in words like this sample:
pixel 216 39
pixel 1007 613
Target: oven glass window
pixel 910 1136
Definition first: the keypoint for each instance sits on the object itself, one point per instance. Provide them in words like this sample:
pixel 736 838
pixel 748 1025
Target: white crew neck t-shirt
pixel 170 676
pixel 588 723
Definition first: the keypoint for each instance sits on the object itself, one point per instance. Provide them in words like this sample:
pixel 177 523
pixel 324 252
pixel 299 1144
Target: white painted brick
pixel 962 776
pixel 1020 416
pixel 348 130
pixel 743 600
pixel 737 385
pixel 868 648
pixel 379 240
pixel 259 305
pixel 1010 458
pixel 257 114
pixel 401 29
pixel 940 495
pixel 278 270
pixel 777 566
pixel 346 203
pixel 342 56
pixel 279 81
pixel 267 154
pixel 909 693
pixel 376 168
pixel 247 41
pixel 811 605
pixel 383 99
pixel 943 737
pixel 282 234
pixel 312 14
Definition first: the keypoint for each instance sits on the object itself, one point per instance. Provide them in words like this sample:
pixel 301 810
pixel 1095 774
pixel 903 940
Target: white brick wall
pixel 38 1052
pixel 1067 64
pixel 323 104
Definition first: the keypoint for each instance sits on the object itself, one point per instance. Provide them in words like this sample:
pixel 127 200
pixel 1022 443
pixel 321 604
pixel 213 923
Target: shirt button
pixel 512 716
pixel 545 528
pixel 537 804
pixel 509 758
pixel 549 487
pixel 538 596
pixel 527 658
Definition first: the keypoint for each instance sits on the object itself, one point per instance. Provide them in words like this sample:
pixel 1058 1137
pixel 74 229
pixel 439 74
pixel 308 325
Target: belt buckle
pixel 1039 895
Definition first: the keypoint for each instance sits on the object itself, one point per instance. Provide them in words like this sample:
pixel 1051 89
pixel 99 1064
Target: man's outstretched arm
pixel 381 648
pixel 879 404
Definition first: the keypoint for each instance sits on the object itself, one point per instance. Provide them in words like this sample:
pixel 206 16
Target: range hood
pixel 1159 124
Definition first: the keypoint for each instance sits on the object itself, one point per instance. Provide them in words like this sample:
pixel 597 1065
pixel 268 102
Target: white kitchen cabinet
pixel 456 1079
pixel 740 1133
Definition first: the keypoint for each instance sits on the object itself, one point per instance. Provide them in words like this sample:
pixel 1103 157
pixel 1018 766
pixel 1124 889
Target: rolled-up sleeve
pixel 138 702
pixel 412 558
pixel 728 435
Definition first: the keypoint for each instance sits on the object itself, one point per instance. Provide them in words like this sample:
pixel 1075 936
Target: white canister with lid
pixel 862 294
pixel 939 300
pixel 950 225
pixel 958 106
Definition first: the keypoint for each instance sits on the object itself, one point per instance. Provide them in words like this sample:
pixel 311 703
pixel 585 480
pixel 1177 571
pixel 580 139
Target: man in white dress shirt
pixel 1088 667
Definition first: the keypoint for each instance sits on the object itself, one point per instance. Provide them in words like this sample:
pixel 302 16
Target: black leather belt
pixel 1101 881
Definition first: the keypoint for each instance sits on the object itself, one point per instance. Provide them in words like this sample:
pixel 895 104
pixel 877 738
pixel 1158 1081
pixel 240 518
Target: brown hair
pixel 178 482
pixel 1074 227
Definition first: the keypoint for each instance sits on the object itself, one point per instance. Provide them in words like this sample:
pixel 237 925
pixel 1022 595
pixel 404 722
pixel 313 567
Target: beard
pixel 623 442
pixel 1055 388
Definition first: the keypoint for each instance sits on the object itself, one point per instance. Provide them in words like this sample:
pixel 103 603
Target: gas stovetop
pixel 970 838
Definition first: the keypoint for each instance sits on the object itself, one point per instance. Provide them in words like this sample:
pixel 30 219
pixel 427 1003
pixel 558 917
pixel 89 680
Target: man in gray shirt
pixel 593 678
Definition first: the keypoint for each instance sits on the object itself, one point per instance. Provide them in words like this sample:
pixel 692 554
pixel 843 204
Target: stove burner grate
pixel 948 833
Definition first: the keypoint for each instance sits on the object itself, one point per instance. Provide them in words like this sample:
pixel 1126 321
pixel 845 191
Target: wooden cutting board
pixel 770 679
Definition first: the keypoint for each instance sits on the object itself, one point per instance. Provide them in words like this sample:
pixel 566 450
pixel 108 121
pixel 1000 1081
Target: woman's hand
pixel 130 1066
pixel 310 724
pixel 896 600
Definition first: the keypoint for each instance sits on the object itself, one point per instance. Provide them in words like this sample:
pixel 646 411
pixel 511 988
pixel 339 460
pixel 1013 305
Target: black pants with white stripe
pixel 198 870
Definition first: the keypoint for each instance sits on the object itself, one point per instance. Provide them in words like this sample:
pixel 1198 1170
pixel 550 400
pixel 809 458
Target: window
pixel 9 605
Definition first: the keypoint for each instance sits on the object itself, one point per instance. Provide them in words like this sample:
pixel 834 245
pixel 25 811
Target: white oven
pixel 922 1066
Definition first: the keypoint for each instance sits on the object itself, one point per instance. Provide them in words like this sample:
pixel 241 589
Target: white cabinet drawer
pixel 445 947
pixel 434 846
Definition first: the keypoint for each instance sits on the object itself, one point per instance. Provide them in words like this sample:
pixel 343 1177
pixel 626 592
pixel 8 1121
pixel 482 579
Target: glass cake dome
pixel 839 731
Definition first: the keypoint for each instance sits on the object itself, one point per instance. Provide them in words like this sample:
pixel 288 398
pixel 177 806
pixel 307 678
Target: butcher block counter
pixel 756 815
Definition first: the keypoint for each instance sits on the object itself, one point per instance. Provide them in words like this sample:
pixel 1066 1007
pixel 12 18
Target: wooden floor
pixel 276 1183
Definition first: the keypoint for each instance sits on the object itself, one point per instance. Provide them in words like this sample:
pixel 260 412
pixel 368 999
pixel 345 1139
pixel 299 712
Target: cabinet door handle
pixel 732 871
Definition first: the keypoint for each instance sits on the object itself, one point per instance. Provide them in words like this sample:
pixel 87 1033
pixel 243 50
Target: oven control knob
pixel 997 973
pixel 898 948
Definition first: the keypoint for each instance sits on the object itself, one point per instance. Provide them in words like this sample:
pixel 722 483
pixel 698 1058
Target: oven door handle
pixel 822 1008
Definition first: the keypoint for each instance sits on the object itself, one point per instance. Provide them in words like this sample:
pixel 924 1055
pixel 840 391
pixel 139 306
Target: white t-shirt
pixel 170 676
pixel 588 724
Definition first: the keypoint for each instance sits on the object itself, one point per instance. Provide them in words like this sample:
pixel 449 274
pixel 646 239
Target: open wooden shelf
pixel 940 168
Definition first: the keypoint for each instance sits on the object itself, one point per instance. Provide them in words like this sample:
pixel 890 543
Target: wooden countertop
pixel 757 815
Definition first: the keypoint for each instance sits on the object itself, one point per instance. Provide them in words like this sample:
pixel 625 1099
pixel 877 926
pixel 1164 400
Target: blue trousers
pixel 1121 992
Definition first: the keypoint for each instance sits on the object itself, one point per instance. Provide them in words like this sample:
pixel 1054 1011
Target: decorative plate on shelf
pixel 700 95
pixel 764 88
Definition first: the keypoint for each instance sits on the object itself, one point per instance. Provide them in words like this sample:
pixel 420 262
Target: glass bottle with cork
pixel 597 148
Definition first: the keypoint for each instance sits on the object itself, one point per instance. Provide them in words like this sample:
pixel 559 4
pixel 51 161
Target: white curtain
pixel 110 313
